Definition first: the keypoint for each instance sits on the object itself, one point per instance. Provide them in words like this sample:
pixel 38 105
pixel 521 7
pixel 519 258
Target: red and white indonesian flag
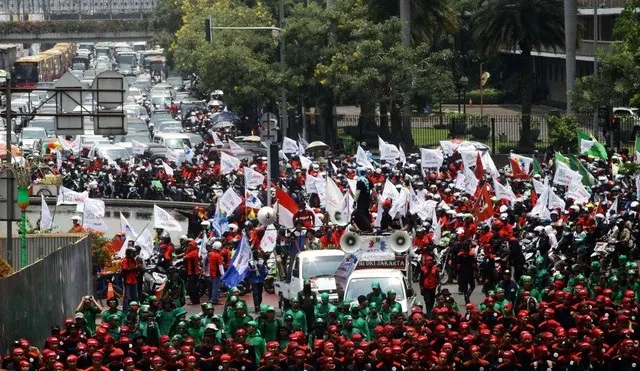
pixel 287 207
pixel 520 165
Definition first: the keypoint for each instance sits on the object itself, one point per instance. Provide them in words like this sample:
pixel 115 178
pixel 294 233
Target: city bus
pixel 28 71
pixel 146 54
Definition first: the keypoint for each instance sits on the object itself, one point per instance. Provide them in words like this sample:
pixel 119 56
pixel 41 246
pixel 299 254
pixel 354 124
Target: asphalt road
pixel 268 299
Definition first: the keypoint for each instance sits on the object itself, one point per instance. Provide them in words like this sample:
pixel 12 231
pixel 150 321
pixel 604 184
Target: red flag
pixel 479 170
pixel 483 208
pixel 534 198
pixel 517 170
pixel 287 207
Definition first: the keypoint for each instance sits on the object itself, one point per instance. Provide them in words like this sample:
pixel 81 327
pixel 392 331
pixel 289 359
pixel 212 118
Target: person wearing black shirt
pixel 363 202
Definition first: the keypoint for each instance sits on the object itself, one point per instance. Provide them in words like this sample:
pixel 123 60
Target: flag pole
pixel 140 234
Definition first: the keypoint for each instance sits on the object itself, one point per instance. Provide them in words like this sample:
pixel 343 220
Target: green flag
pixel 590 146
pixel 587 179
pixel 537 168
pixel 637 154
pixel 560 158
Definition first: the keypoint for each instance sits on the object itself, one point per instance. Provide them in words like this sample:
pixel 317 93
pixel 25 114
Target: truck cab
pixel 360 280
pixel 318 266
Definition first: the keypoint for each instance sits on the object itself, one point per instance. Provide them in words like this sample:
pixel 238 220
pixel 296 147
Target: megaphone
pixel 350 242
pixel 338 218
pixel 266 216
pixel 400 241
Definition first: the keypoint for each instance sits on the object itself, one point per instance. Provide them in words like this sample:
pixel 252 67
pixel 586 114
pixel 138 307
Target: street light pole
pixel 283 68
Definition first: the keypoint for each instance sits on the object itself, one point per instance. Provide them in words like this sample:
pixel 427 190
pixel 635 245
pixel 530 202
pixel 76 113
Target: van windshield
pixel 362 286
pixel 321 266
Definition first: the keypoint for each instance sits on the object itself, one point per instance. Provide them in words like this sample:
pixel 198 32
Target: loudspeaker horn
pixel 350 242
pixel 266 216
pixel 400 241
pixel 338 218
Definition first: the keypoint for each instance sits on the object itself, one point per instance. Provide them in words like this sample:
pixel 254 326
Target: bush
pixel 5 268
pixel 490 96
pixel 99 252
pixel 563 133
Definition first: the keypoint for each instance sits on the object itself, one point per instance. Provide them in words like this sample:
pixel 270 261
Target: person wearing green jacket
pixel 113 311
pixel 147 325
pixel 299 318
pixel 359 322
pixel 207 314
pixel 239 320
pixel 270 326
pixel 233 296
pixel 229 309
pixel 348 329
pixel 255 339
pixel 167 317
pixel 195 329
pixel 323 307
pixel 89 308
pixel 376 295
pixel 500 301
pixel 391 300
pixel 373 319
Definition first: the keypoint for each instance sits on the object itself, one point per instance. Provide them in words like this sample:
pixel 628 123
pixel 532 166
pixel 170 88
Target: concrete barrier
pixel 44 294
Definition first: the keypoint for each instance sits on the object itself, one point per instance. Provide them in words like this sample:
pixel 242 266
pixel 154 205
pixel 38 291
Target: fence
pixel 500 132
pixel 38 247
pixel 44 293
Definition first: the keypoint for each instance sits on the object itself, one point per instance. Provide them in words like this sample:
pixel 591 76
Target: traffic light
pixel 604 116
pixel 207 30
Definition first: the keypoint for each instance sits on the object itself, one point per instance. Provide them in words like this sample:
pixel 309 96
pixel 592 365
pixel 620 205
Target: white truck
pixel 318 266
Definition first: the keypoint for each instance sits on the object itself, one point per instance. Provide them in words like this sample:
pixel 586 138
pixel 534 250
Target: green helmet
pixel 595 265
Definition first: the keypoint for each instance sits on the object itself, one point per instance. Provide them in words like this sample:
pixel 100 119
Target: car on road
pixel 31 139
pixel 360 280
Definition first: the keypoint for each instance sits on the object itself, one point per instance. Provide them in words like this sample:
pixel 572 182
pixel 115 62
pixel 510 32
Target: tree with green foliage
pixel 242 63
pixel 526 25
pixel 563 131
pixel 167 20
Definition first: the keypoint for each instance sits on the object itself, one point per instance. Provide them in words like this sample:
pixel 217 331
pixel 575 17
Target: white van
pixel 318 266
pixel 360 280
pixel 173 141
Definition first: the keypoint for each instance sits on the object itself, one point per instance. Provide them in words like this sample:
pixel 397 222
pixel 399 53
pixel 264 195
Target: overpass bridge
pixel 52 31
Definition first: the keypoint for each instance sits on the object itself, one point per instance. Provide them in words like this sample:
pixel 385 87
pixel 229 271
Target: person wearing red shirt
pixel 306 217
pixel 129 270
pixel 96 363
pixel 192 259
pixel 430 280
pixel 216 270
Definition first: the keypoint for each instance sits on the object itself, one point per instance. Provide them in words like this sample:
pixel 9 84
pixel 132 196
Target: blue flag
pixel 239 264
pixel 220 224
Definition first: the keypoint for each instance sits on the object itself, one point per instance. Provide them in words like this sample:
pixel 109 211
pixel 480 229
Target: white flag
pixel 230 201
pixel 46 220
pixel 305 163
pixel 362 159
pixel 578 192
pixel 555 202
pixel 69 197
pixel 94 222
pixel 389 192
pixel 252 178
pixel 346 206
pixel 126 228
pixel 145 241
pixel 216 139
pixel 399 205
pixel 234 146
pixel 388 151
pixel 167 169
pixel 333 197
pixel 310 184
pixel 471 182
pixel 460 181
pixel 539 187
pixel 564 175
pixel 431 158
pixel 302 141
pixel 448 147
pixel 162 219
pixel 138 147
pixel 172 155
pixel 301 149
pixel 228 163
pixel 58 160
pixel 353 185
pixel 251 200
pixel 403 157
pixel 437 229
pixel 289 146
pixel 94 206
pixel 503 192
pixel 269 239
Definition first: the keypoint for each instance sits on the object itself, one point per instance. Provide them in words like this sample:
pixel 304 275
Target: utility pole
pixel 405 17
pixel 9 174
pixel 283 68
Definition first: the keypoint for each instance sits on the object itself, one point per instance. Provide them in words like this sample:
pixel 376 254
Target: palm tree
pixel 526 25
pixel 430 19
